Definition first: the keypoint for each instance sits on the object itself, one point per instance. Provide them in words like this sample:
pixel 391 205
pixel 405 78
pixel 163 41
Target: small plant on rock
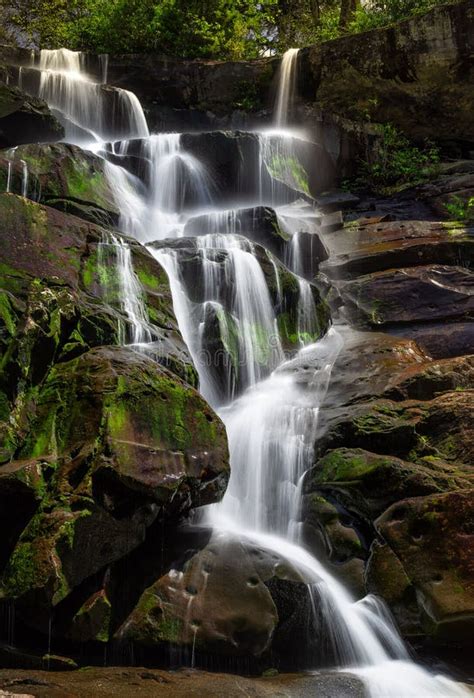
pixel 460 209
pixel 396 163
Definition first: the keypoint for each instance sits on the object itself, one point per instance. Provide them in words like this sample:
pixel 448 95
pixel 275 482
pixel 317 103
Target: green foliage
pixel 381 13
pixel 460 209
pixel 223 29
pixel 396 163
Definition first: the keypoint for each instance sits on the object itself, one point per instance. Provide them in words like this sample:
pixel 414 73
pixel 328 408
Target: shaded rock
pixel 440 428
pixel 63 176
pixel 433 539
pixel 386 577
pixel 92 620
pixel 25 119
pixel 363 249
pixel 416 294
pixel 220 601
pixel 366 483
pixel 401 67
pixel 440 339
pixel 127 441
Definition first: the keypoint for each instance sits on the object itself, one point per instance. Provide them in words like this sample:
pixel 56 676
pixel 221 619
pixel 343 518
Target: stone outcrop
pixel 98 442
pixel 25 119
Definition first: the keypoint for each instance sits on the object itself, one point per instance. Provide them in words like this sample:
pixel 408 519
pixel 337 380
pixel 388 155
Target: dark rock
pixel 440 339
pixel 25 119
pixel 432 538
pixel 364 249
pixel 416 294
pixel 221 602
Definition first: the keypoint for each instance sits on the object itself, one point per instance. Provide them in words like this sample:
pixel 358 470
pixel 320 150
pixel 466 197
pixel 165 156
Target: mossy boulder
pixel 367 483
pixel 439 428
pixel 432 538
pixel 232 598
pixel 119 441
pixel 25 119
pixel 63 176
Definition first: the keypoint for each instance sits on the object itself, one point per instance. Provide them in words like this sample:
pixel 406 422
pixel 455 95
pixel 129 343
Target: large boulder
pixel 432 538
pixel 233 598
pixel 124 441
pixel 25 119
pixel 63 176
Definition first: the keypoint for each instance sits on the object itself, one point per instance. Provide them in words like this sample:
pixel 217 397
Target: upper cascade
pixel 286 87
pixel 90 111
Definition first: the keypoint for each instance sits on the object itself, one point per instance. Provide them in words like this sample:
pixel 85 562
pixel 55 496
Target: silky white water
pixel 286 86
pixel 272 418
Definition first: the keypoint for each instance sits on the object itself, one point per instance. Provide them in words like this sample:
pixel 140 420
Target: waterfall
pixel 271 420
pixel 286 86
pixel 89 110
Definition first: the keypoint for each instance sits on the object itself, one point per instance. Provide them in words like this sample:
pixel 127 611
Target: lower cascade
pixel 256 327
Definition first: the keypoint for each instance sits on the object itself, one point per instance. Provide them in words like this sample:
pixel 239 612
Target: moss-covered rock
pixel 63 176
pixel 231 598
pixel 367 483
pixel 440 428
pixel 432 538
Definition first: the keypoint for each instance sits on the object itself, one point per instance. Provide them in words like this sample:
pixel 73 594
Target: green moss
pixel 148 280
pixel 288 169
pixel 346 465
pixel 7 313
pixel 21 572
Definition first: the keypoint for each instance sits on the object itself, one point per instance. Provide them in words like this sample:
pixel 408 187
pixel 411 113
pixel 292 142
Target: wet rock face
pixel 433 538
pixel 97 442
pixel 232 598
pixel 63 176
pixel 393 468
pixel 25 119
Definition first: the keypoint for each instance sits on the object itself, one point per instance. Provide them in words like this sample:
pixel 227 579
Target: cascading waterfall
pixel 271 424
pixel 89 111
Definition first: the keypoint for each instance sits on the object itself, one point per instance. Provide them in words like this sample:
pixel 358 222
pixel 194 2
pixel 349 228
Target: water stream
pixel 270 418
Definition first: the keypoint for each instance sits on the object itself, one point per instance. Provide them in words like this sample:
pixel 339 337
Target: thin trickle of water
pixel 286 86
pixel 122 289
pixel 24 179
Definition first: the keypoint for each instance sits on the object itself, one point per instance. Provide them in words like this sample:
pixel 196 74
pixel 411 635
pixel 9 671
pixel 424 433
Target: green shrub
pixel 460 209
pixel 396 163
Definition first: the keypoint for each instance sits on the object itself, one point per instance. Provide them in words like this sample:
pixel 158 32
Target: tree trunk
pixel 348 10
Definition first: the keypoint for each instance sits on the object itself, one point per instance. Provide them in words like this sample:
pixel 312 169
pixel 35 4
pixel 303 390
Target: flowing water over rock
pixel 271 417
